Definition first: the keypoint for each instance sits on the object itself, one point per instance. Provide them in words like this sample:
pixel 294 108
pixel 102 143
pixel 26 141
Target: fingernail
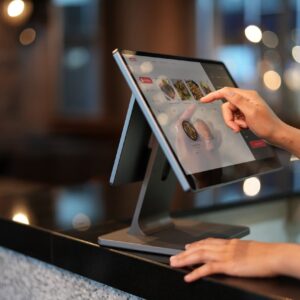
pixel 187 277
pixel 172 258
pixel 187 246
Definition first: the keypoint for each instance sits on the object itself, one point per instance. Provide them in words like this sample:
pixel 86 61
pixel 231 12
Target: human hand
pixel 232 257
pixel 246 109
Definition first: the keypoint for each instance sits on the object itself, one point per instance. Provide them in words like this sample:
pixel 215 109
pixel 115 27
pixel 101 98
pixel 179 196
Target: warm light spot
pixel 21 218
pixel 296 53
pixel 292 77
pixel 15 8
pixel 81 222
pixel 253 33
pixel 270 39
pixel 272 80
pixel 251 186
pixel 27 36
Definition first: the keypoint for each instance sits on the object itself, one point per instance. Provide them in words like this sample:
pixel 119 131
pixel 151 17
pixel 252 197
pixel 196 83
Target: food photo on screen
pixel 194 89
pixel 171 97
pixel 197 143
pixel 167 88
pixel 190 130
pixel 181 89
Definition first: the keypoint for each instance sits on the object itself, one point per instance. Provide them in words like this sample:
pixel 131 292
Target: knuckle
pixel 238 98
pixel 226 89
pixel 200 253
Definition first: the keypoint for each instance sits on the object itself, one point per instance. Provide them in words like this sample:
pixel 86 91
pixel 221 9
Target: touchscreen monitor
pixel 200 147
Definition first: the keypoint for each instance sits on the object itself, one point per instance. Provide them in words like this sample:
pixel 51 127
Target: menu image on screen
pixel 196 131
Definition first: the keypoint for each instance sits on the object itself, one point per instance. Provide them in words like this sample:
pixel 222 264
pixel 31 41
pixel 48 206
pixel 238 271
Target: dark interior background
pixel 63 100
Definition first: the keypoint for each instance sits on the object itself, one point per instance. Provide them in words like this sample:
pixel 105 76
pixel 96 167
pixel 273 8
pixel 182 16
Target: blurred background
pixel 63 100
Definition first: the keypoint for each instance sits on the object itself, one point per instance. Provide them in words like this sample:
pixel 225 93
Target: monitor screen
pixel 206 150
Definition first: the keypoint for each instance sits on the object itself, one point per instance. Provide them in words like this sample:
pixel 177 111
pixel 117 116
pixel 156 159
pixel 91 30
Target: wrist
pixel 280 135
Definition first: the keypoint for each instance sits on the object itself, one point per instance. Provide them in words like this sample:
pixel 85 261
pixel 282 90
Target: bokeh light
pixel 296 53
pixel 27 36
pixel 253 33
pixel 81 222
pixel 251 186
pixel 272 80
pixel 292 77
pixel 21 218
pixel 270 39
pixel 15 8
pixel 16 12
pixel 77 57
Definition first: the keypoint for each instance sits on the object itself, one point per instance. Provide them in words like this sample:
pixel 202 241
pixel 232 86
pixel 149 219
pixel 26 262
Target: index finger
pixel 233 95
pixel 219 94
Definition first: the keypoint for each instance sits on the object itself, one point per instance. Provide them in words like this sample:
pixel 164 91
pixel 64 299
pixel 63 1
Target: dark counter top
pixel 66 221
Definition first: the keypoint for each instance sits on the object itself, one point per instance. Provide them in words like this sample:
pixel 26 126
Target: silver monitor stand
pixel 152 229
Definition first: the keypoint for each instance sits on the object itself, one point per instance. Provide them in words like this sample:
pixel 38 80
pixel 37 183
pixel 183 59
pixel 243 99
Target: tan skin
pixel 245 109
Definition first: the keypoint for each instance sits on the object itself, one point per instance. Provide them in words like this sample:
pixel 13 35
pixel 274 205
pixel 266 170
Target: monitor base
pixel 172 240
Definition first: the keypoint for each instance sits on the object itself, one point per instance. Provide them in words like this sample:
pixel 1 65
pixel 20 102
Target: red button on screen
pixel 146 80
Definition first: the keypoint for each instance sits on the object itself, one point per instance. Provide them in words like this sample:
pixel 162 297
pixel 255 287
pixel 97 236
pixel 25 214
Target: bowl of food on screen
pixel 168 90
pixel 194 89
pixel 181 89
pixel 190 130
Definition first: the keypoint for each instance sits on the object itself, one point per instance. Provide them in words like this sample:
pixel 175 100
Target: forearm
pixel 288 138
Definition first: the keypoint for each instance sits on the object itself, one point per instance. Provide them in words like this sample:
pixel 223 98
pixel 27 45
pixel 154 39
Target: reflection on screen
pixel 196 131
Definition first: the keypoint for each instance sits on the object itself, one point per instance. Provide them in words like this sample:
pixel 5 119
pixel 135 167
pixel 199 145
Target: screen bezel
pixel 203 179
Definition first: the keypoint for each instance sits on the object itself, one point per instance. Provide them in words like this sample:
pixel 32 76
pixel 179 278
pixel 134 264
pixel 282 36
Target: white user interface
pixel 196 131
